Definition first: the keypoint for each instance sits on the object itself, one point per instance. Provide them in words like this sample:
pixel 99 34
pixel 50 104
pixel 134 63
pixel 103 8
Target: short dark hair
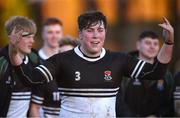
pixel 89 18
pixel 68 40
pixel 149 34
pixel 52 21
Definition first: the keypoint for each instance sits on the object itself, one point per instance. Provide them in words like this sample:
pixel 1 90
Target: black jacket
pixel 7 83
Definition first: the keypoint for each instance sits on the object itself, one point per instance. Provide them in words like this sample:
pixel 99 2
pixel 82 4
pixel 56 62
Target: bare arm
pixel 165 53
pixel 177 107
pixel 34 110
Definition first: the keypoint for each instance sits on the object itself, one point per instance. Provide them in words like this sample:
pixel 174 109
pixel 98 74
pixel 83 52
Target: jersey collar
pixel 80 54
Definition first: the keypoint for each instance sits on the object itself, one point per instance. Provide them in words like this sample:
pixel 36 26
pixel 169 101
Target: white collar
pixel 42 54
pixel 79 53
pixel 26 60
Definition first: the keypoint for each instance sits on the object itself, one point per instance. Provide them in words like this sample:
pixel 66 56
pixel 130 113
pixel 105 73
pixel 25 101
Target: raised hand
pixel 165 53
pixel 15 38
pixel 168 31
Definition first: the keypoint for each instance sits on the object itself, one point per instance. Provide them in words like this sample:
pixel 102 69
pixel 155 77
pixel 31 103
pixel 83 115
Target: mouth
pixel 30 46
pixel 95 42
pixel 151 51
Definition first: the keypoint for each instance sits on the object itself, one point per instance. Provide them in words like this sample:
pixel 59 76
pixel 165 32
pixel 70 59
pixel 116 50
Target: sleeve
pixel 139 69
pixel 176 94
pixel 38 94
pixel 43 73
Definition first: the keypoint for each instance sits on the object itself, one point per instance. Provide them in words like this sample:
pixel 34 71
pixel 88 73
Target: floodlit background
pixel 126 19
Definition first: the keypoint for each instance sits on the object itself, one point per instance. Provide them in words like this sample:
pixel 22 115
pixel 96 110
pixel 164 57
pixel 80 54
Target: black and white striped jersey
pixel 48 97
pixel 20 96
pixel 88 86
pixel 177 94
pixel 15 93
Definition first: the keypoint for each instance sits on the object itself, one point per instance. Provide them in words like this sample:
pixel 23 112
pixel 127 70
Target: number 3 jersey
pixel 88 86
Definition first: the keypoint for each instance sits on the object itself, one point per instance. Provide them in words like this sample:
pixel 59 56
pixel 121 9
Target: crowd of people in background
pixel 77 77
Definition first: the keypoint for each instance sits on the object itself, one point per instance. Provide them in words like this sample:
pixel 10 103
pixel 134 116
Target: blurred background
pixel 126 19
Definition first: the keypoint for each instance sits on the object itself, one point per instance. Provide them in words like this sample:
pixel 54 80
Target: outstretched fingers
pixel 168 30
pixel 166 25
pixel 15 36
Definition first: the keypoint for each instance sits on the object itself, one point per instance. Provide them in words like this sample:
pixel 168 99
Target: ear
pixel 138 45
pixel 42 35
pixel 80 34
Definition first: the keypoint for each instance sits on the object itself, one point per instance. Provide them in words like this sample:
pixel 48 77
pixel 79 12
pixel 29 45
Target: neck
pixel 149 60
pixel 50 51
pixel 89 55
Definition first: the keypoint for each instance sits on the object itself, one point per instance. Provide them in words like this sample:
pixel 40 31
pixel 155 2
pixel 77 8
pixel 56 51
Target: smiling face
pixel 25 44
pixel 148 48
pixel 52 34
pixel 92 39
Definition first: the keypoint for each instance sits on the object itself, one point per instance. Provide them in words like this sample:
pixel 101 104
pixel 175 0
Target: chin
pixel 28 51
pixel 54 46
pixel 95 50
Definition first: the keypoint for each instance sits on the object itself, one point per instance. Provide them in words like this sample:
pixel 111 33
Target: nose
pixel 32 39
pixel 152 46
pixel 95 34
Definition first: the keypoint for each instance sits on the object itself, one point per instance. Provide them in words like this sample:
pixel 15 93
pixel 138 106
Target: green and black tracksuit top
pixel 14 91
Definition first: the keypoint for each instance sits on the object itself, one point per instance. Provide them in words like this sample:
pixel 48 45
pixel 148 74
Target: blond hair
pixel 20 23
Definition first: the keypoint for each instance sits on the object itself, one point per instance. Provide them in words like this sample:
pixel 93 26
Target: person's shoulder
pixel 177 75
pixel 177 78
pixel 118 54
pixel 34 51
pixel 4 55
pixel 4 51
pixel 34 56
pixel 68 53
pixel 60 57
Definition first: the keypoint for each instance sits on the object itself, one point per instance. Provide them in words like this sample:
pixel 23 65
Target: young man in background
pixel 45 101
pixel 145 98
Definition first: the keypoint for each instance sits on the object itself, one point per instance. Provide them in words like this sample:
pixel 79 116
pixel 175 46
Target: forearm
pixel 165 54
pixel 34 110
pixel 177 107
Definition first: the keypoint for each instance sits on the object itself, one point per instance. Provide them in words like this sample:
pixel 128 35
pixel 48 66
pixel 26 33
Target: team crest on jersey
pixel 107 75
pixel 160 85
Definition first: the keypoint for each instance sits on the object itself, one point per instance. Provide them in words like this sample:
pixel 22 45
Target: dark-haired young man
pixel 45 101
pixel 89 76
pixel 145 98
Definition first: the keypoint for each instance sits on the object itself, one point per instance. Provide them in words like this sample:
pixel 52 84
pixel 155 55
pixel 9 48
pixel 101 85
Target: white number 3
pixel 77 75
